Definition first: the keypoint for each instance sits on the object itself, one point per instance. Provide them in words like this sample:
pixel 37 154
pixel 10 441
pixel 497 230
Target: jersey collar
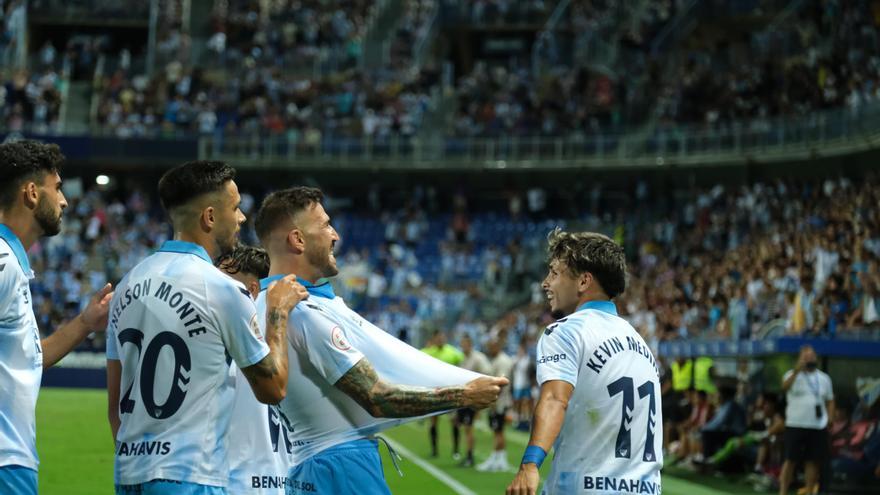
pixel 324 290
pixel 17 248
pixel 185 248
pixel 603 306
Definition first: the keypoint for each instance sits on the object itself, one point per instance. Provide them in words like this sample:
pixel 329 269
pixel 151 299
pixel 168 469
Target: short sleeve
pixel 327 344
pixel 112 333
pixel 237 322
pixel 558 356
pixel 8 293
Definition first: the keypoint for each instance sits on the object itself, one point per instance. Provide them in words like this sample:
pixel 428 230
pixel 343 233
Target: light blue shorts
pixel 169 487
pixel 348 468
pixel 18 480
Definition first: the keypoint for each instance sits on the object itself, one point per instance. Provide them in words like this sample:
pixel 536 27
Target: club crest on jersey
pixel 255 328
pixel 339 340
pixel 552 326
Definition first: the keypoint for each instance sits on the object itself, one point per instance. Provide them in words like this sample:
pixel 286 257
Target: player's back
pixel 611 439
pixel 171 326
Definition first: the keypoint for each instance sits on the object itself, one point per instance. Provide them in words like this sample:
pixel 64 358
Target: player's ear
pixel 31 194
pixel 208 217
pixel 585 281
pixel 296 242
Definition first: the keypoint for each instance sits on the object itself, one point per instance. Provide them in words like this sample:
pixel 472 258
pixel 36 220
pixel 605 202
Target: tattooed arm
pixel 389 400
pixel 268 377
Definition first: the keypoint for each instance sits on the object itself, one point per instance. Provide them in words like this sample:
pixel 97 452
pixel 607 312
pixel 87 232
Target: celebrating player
pixel 599 405
pixel 176 324
pixel 259 449
pixel 334 391
pixel 31 204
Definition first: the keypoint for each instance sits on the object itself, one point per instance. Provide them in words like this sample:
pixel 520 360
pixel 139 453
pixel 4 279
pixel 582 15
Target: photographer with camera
pixel 810 402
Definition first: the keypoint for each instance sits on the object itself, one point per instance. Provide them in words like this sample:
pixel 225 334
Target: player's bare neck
pixel 285 265
pixel 198 238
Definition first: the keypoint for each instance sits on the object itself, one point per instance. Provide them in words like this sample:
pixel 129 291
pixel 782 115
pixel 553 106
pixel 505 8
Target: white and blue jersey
pixel 177 324
pixel 259 445
pixel 612 436
pixel 21 357
pixel 326 339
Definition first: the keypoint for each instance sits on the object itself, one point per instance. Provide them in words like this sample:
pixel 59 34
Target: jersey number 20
pixel 182 364
pixel 623 447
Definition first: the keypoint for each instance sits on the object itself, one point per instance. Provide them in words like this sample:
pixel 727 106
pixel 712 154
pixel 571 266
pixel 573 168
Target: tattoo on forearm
pixel 276 328
pixel 382 399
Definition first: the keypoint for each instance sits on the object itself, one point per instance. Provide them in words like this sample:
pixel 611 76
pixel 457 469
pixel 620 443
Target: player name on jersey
pixel 165 293
pixel 621 485
pixel 613 346
pixel 143 448
pixel 268 481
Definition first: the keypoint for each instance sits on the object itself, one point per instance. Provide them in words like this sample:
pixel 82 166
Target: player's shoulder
pixel 221 284
pixel 8 262
pixel 309 308
pixel 9 265
pixel 572 323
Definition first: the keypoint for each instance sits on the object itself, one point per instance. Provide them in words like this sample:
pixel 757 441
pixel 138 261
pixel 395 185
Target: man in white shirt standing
pixel 810 402
pixel 599 406
pixel 31 205
pixel 500 364
pixel 477 362
pixel 176 325
pixel 346 375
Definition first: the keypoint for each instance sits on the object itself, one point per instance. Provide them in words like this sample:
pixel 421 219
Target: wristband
pixel 534 455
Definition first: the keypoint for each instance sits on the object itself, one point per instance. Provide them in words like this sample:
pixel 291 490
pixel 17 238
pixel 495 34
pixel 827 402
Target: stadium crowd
pixel 721 264
pixel 830 52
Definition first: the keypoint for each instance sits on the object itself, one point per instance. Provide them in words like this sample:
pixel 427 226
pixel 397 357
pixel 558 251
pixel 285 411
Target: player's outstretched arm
pixel 548 418
pixel 66 338
pixel 389 400
pixel 268 378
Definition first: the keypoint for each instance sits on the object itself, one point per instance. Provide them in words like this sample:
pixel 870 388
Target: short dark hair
pixel 183 183
pixel 590 252
pixel 246 259
pixel 25 160
pixel 282 205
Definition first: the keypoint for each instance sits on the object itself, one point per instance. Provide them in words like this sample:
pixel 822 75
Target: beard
pixel 227 246
pixel 46 218
pixel 321 261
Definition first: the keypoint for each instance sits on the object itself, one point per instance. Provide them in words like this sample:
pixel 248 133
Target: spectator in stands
pixel 810 402
pixel 757 445
pixel 729 421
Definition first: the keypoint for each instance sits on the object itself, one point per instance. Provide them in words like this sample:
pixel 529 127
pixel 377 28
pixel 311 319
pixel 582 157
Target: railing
pixel 828 133
pixel 824 134
pixel 104 10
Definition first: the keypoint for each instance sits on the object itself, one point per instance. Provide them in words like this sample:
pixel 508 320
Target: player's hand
pixel 526 481
pixel 285 294
pixel 94 317
pixel 483 391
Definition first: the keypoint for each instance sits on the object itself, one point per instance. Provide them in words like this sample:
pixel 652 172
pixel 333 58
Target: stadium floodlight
pixel 102 180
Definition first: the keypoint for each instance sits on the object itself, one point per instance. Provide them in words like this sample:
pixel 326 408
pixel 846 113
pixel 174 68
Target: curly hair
pixel 284 205
pixel 590 252
pixel 22 161
pixel 246 259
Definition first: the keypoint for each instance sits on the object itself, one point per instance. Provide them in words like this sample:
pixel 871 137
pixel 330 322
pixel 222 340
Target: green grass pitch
pixel 76 455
